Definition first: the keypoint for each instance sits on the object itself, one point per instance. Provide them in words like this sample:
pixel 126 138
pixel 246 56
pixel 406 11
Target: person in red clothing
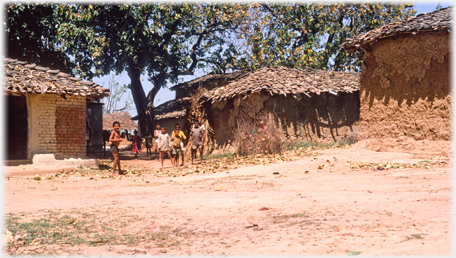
pixel 136 140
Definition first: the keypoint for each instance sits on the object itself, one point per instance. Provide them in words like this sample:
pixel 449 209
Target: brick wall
pixel 70 126
pixel 46 124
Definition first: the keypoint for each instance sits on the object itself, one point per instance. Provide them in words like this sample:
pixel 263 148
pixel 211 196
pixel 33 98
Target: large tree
pixel 161 41
pixel 31 35
pixel 309 35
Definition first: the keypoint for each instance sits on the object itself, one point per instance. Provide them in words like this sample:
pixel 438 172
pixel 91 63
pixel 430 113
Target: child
pixel 164 143
pixel 196 136
pixel 157 132
pixel 136 144
pixel 115 139
pixel 149 143
pixel 178 137
pixel 203 128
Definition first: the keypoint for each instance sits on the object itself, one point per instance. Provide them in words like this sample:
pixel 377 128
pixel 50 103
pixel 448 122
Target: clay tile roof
pixel 124 118
pixel 437 20
pixel 172 109
pixel 286 81
pixel 22 78
pixel 209 78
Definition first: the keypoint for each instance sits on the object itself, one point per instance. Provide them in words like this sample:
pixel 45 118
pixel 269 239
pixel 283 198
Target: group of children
pixel 163 143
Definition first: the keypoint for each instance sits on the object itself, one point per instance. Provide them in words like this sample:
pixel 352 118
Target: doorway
pixel 17 129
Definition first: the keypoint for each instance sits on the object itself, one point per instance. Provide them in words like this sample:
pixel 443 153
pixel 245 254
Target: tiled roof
pixel 286 81
pixel 434 21
pixel 22 78
pixel 172 109
pixel 124 118
pixel 210 78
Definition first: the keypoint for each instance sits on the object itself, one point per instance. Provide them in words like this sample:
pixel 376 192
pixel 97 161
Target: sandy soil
pixel 335 201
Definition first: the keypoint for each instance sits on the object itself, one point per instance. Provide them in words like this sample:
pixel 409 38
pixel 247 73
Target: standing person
pixel 178 137
pixel 196 136
pixel 200 122
pixel 164 142
pixel 115 140
pixel 157 132
pixel 136 140
pixel 148 143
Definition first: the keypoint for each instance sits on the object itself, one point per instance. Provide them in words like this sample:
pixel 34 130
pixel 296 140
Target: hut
pixel 405 78
pixel 207 82
pixel 124 118
pixel 172 112
pixel 309 105
pixel 46 111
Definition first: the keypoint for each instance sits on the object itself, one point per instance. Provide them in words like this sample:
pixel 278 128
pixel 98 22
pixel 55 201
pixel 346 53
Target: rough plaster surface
pixel 405 88
pixel 320 118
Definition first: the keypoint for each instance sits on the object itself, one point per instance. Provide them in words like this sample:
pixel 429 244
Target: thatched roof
pixel 434 21
pixel 286 81
pixel 123 118
pixel 22 78
pixel 209 78
pixel 172 109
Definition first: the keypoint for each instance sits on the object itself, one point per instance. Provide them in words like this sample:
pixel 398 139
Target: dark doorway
pixel 16 108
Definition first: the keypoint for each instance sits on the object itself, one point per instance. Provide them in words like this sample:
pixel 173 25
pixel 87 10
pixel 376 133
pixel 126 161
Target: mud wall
pixel 320 118
pixel 405 88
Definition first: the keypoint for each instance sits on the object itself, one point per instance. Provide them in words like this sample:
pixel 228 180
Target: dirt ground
pixel 372 198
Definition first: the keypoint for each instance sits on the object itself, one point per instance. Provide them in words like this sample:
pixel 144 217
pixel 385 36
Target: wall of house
pixel 170 122
pixel 405 88
pixel 41 124
pixel 70 126
pixel 56 125
pixel 321 118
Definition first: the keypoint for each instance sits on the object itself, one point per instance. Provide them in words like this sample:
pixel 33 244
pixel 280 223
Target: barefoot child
pixel 196 137
pixel 136 140
pixel 164 143
pixel 177 136
pixel 115 139
pixel 149 143
pixel 157 132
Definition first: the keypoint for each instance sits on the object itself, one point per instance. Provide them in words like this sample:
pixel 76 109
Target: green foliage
pixel 163 41
pixel 31 35
pixel 309 35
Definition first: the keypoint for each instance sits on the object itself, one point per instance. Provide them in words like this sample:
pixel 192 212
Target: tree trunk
pixel 139 97
pixel 159 82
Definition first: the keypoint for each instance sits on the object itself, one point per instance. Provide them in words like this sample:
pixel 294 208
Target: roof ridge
pixel 432 21
pixel 23 78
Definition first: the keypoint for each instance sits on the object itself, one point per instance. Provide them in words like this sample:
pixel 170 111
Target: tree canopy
pixel 309 35
pixel 163 41
pixel 31 35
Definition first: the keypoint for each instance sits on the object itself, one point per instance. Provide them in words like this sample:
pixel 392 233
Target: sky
pixel 165 94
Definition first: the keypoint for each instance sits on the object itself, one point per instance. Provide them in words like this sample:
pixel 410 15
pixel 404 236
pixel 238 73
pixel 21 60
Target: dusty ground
pixel 369 198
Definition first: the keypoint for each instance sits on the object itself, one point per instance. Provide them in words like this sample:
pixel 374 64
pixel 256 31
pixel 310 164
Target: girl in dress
pixel 136 143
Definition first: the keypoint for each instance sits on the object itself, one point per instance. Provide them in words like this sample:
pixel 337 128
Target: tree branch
pixel 189 70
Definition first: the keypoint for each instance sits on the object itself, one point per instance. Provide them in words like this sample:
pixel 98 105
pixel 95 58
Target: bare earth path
pixel 334 202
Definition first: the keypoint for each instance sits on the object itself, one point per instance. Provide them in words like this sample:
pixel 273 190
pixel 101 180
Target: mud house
pixel 172 112
pixel 46 111
pixel 177 111
pixel 405 78
pixel 310 105
pixel 207 82
pixel 124 118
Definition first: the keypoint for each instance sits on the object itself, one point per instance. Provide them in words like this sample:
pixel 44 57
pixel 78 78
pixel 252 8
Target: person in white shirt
pixel 164 143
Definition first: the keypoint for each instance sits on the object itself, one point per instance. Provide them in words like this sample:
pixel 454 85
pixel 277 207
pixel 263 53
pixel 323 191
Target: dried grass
pixel 196 110
pixel 251 138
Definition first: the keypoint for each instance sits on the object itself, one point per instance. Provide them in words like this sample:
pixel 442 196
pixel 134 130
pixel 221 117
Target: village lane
pixel 335 201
